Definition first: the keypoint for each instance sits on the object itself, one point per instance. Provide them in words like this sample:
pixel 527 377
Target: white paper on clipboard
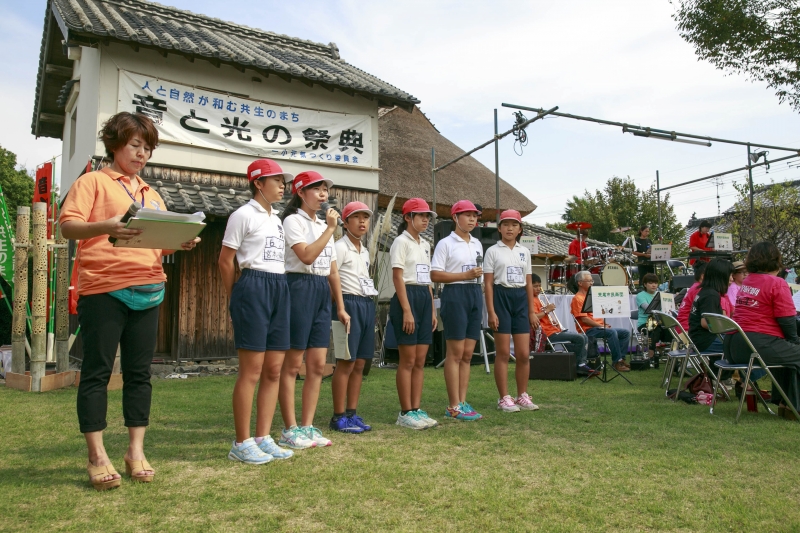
pixel 160 234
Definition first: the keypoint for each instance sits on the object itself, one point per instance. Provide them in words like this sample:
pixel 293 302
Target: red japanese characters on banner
pixel 42 192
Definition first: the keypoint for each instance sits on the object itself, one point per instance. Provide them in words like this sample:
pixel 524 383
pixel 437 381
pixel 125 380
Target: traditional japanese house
pixel 222 95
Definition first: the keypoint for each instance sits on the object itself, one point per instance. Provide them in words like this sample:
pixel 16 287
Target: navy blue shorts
pixel 419 298
pixel 462 311
pixel 259 311
pixel 361 340
pixel 511 308
pixel 311 311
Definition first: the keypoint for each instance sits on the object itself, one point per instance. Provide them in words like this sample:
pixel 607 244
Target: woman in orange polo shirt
pixel 119 291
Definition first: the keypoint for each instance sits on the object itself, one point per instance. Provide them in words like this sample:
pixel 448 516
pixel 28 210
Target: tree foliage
pixel 776 210
pixel 757 38
pixel 621 203
pixel 17 184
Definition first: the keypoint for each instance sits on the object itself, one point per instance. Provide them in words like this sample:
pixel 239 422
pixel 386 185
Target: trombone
pixel 552 314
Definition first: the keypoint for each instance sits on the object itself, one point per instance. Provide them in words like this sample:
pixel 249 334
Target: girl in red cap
pixel 411 310
pixel 510 308
pixel 313 277
pixel 455 263
pixel 254 236
pixel 358 291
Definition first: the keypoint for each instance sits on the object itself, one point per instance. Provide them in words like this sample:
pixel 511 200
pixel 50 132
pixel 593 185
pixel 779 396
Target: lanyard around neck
pixel 131 196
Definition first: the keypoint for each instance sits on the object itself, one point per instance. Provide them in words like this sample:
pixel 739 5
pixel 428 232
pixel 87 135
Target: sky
pixel 619 60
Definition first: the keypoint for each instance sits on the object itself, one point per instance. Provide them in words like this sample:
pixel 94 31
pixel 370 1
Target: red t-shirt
pixel 763 298
pixel 686 305
pixel 699 240
pixel 575 248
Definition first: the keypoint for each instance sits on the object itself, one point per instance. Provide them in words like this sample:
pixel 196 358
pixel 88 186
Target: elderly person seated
pixel 765 312
pixel 617 339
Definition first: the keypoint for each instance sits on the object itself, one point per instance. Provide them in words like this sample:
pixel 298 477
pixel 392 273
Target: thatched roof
pixel 406 140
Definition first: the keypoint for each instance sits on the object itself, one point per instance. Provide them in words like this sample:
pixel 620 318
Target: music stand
pixel 587 308
pixel 655 304
pixel 710 243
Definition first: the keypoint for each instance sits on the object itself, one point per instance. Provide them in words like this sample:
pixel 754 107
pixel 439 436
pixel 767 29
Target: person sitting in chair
pixel 617 339
pixel 710 299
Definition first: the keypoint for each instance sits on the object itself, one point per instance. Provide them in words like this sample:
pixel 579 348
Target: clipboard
pixel 160 234
pixel 341 340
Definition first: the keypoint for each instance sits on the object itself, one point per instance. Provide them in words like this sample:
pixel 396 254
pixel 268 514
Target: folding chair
pixel 721 324
pixel 692 355
pixel 603 360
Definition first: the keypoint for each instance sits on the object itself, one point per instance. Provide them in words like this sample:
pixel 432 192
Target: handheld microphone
pixel 323 210
pixel 479 260
pixel 132 210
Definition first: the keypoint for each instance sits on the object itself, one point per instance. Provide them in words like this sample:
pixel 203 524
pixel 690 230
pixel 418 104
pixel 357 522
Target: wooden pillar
pixel 62 303
pixel 39 300
pixel 19 318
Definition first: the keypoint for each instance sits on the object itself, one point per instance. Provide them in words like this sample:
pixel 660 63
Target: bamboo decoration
pixel 19 318
pixel 39 300
pixel 62 304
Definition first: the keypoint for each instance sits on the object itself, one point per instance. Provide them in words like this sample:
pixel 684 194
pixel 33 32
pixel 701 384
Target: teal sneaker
pixel 468 410
pixel 315 436
pixel 458 413
pixel 295 438
pixel 268 445
pixel 423 416
pixel 249 453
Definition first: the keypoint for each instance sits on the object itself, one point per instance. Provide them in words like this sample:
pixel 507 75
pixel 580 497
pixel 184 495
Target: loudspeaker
pixel 598 281
pixel 487 236
pixel 680 282
pixel 553 365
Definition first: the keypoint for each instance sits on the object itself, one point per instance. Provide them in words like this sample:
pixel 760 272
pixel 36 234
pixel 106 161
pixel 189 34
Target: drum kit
pixel 612 263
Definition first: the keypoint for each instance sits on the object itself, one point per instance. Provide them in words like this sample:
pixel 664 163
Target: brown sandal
pixel 97 473
pixel 132 468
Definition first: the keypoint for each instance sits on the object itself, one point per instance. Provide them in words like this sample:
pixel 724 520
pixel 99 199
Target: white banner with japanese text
pixel 208 119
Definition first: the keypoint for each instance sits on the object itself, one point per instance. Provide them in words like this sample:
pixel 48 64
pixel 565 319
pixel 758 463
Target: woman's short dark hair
pixel 704 224
pixel 120 128
pixel 763 257
pixel 649 278
pixel 643 227
pixel 718 275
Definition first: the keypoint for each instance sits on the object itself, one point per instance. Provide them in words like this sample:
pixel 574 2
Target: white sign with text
pixel 611 302
pixel 660 252
pixel 531 243
pixel 723 242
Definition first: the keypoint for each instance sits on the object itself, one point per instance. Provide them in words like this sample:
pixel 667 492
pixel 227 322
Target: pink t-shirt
pixel 763 298
pixel 733 292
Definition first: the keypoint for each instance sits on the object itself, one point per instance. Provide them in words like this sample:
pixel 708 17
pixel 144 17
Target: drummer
pixel 577 246
pixel 642 251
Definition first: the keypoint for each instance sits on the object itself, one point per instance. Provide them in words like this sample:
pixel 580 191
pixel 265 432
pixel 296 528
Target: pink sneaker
pixel 506 404
pixel 524 402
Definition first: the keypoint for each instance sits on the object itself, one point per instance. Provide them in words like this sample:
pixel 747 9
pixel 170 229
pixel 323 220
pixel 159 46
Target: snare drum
pixel 591 255
pixel 561 273
pixel 607 254
pixel 614 275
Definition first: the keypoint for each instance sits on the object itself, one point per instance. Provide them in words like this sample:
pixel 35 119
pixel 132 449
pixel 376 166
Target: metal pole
pixel 62 304
pixel 496 171
pixel 658 200
pixel 752 214
pixel 746 167
pixel 20 315
pixel 433 176
pixel 39 299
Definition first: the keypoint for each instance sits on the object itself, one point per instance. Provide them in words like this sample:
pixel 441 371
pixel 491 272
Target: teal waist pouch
pixel 140 297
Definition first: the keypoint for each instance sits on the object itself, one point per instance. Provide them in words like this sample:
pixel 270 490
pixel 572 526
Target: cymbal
pixel 622 229
pixel 556 258
pixel 579 225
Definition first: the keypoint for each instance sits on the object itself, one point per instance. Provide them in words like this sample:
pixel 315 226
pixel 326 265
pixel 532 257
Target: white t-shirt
pixel 510 266
pixel 302 228
pixel 413 257
pixel 453 254
pixel 354 268
pixel 257 236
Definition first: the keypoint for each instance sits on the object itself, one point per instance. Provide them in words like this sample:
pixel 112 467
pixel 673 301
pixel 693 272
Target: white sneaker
pixel 423 416
pixel 249 453
pixel 294 437
pixel 315 435
pixel 411 420
pixel 507 405
pixel 524 402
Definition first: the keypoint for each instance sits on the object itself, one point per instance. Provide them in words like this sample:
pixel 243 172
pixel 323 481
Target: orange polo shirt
pixel 547 327
pixel 577 305
pixel 98 196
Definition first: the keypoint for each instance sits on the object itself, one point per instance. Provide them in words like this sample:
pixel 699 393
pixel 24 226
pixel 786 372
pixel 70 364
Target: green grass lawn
pixel 596 457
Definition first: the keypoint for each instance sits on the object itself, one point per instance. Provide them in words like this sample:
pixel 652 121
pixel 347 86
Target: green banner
pixel 6 244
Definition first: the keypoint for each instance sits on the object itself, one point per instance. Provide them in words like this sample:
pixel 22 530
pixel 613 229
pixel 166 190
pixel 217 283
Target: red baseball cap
pixel 261 168
pixel 416 205
pixel 511 214
pixel 355 207
pixel 463 206
pixel 309 177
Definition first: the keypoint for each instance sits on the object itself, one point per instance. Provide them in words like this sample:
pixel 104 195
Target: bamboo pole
pixel 62 303
pixel 39 300
pixel 20 315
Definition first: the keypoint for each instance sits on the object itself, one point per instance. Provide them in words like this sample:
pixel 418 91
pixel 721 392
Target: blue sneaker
pixel 345 424
pixel 249 453
pixel 468 410
pixel 360 423
pixel 268 445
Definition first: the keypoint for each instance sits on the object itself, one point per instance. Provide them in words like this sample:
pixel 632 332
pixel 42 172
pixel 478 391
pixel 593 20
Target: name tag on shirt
pixel 323 261
pixel 274 249
pixel 467 268
pixel 423 274
pixel 368 287
pixel 514 274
